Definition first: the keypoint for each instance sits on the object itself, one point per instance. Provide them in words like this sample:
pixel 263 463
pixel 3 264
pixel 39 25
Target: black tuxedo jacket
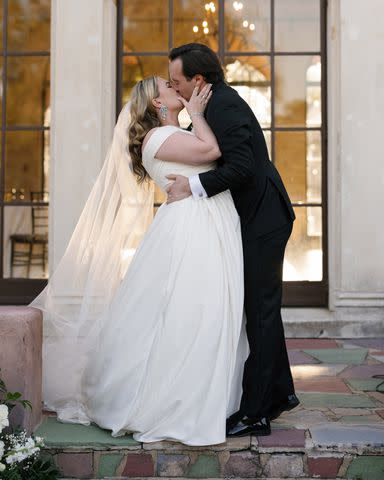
pixel 244 167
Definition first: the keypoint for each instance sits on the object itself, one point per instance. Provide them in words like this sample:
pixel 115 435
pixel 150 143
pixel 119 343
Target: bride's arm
pixel 196 149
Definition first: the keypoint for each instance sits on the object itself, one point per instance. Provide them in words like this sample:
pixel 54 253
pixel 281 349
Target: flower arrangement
pixel 20 455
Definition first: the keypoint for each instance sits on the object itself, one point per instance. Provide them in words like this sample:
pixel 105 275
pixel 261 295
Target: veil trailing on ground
pixel 76 298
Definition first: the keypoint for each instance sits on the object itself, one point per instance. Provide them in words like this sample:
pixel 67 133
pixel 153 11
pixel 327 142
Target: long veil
pixel 76 298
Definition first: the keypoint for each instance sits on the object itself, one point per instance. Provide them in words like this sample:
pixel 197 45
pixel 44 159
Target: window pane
pixel 298 159
pixel 248 25
pixel 145 26
pixel 297 25
pixel 304 255
pixel 251 77
pixel 196 21
pixel 28 91
pixel 29 23
pixel 25 242
pixel 137 68
pixel 298 91
pixel 26 164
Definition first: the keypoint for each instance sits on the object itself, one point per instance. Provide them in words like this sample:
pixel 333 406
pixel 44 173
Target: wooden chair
pixel 34 251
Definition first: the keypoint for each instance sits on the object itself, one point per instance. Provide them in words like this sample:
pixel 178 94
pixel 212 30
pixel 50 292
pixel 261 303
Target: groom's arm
pixel 231 126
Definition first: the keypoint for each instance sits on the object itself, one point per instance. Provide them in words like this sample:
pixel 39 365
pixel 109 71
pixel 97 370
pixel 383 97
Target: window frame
pixel 295 293
pixel 16 291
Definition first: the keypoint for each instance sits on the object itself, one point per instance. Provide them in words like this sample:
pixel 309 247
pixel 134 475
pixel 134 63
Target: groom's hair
pixel 198 59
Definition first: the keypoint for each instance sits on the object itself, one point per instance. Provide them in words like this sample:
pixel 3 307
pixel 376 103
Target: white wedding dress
pixel 169 366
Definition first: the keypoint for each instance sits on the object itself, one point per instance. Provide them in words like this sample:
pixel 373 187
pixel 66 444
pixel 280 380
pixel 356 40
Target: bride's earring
pixel 163 112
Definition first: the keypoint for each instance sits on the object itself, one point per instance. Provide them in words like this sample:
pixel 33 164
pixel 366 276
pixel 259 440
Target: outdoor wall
pixel 356 167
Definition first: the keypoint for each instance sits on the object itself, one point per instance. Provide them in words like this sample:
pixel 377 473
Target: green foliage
pixel 40 469
pixel 11 399
pixel 36 467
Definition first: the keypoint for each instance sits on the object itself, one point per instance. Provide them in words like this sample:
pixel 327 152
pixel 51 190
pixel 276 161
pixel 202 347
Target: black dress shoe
pixel 291 402
pixel 248 426
pixel 234 419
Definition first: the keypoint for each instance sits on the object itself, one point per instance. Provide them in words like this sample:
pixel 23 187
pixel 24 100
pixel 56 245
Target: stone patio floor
pixel 336 432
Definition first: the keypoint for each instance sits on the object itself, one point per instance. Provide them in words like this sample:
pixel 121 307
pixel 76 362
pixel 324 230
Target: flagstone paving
pixel 336 432
pixel 354 356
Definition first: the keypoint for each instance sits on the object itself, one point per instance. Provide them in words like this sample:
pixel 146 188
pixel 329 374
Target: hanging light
pixel 205 23
pixel 252 26
pixel 237 6
pixel 207 7
pixel 245 23
pixel 195 28
pixel 206 30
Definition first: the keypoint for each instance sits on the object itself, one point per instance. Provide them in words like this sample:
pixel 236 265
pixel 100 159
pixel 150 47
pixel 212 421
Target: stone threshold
pixel 345 322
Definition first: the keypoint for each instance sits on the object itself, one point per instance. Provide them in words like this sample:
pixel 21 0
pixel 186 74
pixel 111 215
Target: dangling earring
pixel 163 112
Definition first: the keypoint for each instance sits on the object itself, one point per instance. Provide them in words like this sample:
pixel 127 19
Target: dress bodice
pixel 159 169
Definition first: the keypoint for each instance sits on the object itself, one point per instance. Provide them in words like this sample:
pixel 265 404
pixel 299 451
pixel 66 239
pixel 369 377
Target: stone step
pixel 336 432
pixel 322 451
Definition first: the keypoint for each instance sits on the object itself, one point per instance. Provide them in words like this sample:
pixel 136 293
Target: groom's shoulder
pixel 226 96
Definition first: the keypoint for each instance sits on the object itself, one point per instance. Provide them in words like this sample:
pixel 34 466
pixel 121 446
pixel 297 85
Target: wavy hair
pixel 143 118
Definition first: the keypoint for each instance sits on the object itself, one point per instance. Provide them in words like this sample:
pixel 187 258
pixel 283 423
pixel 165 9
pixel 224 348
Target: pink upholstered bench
pixel 21 336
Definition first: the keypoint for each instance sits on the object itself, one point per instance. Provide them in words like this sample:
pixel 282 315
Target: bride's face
pixel 168 96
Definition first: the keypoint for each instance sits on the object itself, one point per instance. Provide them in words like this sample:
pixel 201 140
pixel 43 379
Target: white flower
pixel 39 441
pixel 1 449
pixel 4 422
pixel 22 448
pixel 2 467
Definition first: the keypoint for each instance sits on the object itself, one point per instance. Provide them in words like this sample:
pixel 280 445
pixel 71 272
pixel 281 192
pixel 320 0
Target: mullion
pixel 324 138
pixel 119 56
pixel 27 203
pixel 145 54
pixel 269 53
pixel 3 123
pixel 42 53
pixel 226 53
pixel 298 129
pixel 306 204
pixel 170 24
pixel 26 128
pixel 221 19
pixel 272 60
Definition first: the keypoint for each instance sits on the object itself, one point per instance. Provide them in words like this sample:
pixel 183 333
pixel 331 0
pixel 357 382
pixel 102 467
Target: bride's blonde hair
pixel 143 118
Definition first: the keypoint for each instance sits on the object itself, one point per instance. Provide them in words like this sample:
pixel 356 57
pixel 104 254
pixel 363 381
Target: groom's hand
pixel 179 189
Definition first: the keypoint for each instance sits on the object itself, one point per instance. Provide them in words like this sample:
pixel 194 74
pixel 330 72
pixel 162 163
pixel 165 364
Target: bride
pixel 143 320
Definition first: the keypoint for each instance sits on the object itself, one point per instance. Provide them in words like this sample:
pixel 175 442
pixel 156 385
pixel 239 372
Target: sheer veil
pixel 76 298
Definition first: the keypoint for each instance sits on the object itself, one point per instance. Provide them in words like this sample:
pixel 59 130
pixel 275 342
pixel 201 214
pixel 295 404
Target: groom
pixel 266 217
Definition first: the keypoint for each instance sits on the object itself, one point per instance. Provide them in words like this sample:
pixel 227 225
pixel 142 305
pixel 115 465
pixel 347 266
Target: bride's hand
pixel 198 100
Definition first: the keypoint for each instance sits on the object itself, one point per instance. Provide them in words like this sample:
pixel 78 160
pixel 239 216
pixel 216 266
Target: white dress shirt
pixel 197 188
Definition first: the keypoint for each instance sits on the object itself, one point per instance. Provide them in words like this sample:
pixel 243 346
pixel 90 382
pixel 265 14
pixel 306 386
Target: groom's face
pixel 179 82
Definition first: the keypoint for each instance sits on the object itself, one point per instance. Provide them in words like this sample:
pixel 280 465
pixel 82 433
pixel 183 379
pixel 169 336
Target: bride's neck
pixel 172 118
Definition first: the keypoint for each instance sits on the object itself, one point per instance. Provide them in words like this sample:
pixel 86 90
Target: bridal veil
pixel 76 298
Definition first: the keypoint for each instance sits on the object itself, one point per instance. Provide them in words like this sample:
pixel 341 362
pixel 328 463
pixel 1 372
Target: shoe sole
pixel 250 433
pixel 288 409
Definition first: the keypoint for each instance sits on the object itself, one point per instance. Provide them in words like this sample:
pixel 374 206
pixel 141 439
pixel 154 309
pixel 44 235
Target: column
pixel 83 82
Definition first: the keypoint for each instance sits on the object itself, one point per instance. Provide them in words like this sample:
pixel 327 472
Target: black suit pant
pixel 267 379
